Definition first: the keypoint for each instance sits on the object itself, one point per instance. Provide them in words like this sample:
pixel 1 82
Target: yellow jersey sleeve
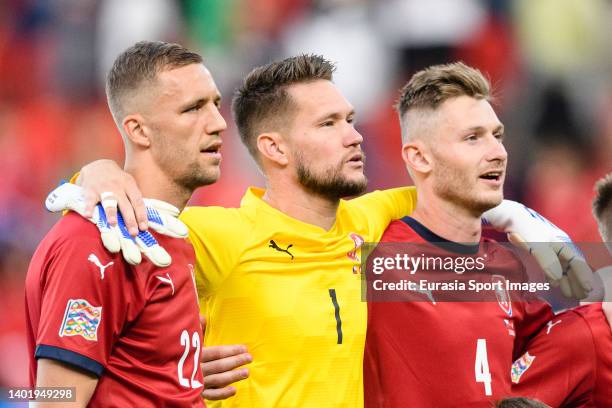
pixel 217 235
pixel 383 206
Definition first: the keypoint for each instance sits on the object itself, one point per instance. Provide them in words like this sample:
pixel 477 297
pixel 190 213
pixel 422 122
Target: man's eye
pixel 472 138
pixel 194 108
pixel 328 123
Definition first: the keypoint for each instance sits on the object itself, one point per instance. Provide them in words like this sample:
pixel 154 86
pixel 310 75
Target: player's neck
pixel 300 204
pixel 154 183
pixel 448 220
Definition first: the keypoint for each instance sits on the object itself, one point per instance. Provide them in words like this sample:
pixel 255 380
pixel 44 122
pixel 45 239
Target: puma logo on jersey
pixel 167 280
pixel 275 246
pixel 94 260
pixel 551 324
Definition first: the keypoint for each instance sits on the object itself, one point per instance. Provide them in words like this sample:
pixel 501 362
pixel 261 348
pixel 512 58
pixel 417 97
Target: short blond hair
pixel 139 64
pixel 430 87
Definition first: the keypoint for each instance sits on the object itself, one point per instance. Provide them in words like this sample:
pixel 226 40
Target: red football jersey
pixel 569 363
pixel 432 353
pixel 135 327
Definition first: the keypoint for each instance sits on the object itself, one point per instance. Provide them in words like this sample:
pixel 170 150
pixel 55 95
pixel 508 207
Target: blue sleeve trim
pixel 69 357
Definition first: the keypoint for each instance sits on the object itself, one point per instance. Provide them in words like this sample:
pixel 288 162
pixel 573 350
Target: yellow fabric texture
pixel 295 302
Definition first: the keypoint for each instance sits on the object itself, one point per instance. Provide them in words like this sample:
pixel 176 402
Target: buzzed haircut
pixel 602 206
pixel 140 64
pixel 430 87
pixel 263 104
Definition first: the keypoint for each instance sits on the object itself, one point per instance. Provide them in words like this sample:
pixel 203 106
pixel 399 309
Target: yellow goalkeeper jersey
pixel 291 292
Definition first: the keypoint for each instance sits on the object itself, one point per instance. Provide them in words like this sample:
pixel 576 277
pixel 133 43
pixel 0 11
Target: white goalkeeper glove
pixel 562 261
pixel 162 218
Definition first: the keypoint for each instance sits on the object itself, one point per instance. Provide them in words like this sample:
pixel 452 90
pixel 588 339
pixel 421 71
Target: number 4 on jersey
pixel 481 366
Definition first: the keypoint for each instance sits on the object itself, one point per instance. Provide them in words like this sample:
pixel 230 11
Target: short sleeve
pixel 383 206
pixel 83 305
pixel 558 366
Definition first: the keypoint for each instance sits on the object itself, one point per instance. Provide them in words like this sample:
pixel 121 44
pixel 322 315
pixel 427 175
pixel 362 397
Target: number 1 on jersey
pixel 481 366
pixel 332 295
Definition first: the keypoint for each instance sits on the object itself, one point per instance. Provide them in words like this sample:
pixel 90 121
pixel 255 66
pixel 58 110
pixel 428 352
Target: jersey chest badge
pixel 503 298
pixel 352 255
pixel 81 319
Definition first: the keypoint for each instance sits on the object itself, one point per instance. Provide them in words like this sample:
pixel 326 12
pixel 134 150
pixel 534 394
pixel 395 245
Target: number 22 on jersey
pixel 195 342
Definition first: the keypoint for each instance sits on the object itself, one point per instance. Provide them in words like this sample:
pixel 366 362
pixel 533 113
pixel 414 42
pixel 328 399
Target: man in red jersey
pixel 433 353
pixel 130 335
pixel 581 375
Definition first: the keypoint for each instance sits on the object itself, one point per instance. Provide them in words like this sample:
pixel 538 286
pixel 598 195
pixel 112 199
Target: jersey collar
pixel 253 198
pixel 433 238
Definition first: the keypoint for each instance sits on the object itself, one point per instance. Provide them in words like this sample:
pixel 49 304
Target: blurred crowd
pixel 550 63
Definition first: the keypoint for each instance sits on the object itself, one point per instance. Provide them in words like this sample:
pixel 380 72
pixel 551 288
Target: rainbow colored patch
pixel 81 319
pixel 520 366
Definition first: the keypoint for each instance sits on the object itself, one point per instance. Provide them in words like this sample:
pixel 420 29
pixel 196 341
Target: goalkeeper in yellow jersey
pixel 281 273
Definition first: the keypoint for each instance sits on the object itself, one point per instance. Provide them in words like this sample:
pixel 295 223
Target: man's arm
pixel 524 226
pixel 51 373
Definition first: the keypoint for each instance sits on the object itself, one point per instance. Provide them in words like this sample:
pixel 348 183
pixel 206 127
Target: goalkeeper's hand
pixel 162 217
pixel 105 176
pixel 222 366
pixel 559 257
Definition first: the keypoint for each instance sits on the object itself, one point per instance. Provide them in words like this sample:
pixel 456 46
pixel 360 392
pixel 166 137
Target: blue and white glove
pixel 162 218
pixel 561 260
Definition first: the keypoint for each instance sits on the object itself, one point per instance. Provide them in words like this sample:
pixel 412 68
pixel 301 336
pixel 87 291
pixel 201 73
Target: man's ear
pixel 135 130
pixel 417 157
pixel 272 147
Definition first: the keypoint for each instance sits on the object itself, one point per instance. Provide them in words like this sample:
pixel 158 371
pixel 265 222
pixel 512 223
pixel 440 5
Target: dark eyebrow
pixel 200 102
pixel 335 116
pixel 192 104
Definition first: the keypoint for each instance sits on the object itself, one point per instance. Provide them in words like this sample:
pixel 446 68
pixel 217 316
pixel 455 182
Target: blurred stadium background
pixel 550 62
